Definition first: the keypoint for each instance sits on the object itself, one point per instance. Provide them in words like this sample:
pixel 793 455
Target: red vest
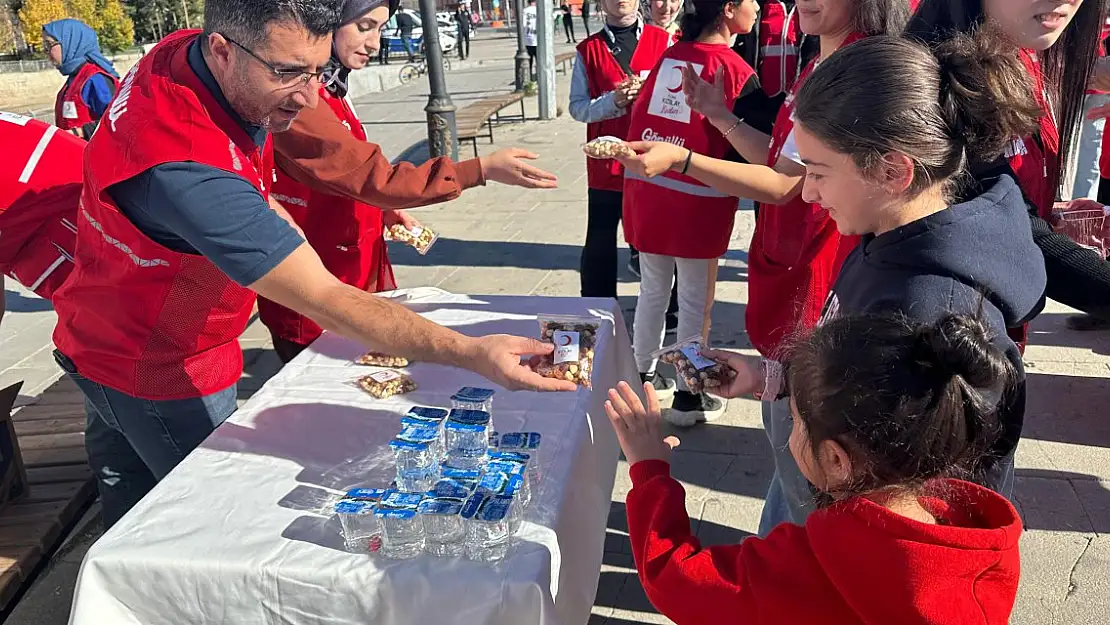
pixel 346 234
pixel 40 185
pixel 135 316
pixel 1035 160
pixel 795 255
pixel 672 214
pixel 604 74
pixel 70 111
pixel 780 32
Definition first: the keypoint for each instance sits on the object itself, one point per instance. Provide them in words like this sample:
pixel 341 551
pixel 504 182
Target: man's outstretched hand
pixel 508 166
pixel 498 358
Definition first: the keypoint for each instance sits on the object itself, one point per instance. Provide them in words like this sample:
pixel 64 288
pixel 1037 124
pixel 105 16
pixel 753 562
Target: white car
pixel 448 33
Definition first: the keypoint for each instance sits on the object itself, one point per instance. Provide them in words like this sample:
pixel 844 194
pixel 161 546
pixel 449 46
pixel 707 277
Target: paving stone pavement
pixel 504 240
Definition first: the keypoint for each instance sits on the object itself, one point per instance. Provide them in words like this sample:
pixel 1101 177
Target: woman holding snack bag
pixel 654 207
pixel 608 74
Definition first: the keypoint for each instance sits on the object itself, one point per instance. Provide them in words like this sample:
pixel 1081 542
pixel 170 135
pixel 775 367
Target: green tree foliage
pixel 37 13
pixel 116 31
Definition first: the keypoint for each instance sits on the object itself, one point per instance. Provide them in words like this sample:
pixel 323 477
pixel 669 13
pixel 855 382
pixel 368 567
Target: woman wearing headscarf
pixel 72 46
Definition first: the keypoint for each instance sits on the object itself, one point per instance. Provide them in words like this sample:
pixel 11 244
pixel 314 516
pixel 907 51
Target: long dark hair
pixel 880 17
pixel 909 402
pixel 1067 65
pixel 702 14
pixel 966 97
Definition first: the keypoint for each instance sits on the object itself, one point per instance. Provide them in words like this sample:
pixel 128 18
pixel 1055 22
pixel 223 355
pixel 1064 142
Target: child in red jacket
pixel 887 412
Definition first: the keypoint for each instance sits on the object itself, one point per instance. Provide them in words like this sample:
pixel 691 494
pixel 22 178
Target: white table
pixel 239 533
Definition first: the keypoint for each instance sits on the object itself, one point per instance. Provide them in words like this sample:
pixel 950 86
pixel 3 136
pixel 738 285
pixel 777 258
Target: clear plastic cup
pixel 488 527
pixel 417 464
pixel 467 438
pixel 443 526
pixel 402 532
pixel 361 530
pixel 472 398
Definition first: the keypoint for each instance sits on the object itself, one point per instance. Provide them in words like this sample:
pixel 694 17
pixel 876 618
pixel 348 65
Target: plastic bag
pixel 386 383
pixel 606 148
pixel 699 373
pixel 1082 221
pixel 421 239
pixel 575 340
pixel 378 359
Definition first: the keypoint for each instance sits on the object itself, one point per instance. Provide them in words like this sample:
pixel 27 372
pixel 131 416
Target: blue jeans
pixel 133 443
pixel 406 42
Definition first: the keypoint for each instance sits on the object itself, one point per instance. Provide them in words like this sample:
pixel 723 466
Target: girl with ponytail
pixel 888 416
pixel 1059 44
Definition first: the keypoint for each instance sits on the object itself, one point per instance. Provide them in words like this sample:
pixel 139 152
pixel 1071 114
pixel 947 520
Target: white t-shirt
pixel 530 26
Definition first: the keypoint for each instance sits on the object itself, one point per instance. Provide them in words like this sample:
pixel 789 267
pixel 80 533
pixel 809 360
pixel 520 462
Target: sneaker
pixel 690 409
pixel 664 386
pixel 672 322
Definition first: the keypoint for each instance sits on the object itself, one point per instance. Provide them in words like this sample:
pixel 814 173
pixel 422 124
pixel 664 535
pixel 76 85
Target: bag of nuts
pixel 699 373
pixel 421 239
pixel 606 148
pixel 386 383
pixel 575 340
pixel 378 359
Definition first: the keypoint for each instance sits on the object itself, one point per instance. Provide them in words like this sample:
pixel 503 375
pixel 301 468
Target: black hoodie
pixel 949 262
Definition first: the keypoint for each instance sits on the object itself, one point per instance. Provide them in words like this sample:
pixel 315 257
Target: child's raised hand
pixel 638 429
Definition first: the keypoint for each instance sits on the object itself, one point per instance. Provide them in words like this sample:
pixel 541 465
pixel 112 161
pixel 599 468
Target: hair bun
pixel 959 345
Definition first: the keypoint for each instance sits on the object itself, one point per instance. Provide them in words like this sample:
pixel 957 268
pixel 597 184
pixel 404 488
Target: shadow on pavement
pixel 19 303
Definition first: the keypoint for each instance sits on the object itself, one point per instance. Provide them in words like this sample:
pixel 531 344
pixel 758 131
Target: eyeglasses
pixel 47 46
pixel 293 78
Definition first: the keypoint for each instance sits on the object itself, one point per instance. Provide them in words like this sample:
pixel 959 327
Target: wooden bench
pixel 477 119
pixel 563 60
pixel 51 436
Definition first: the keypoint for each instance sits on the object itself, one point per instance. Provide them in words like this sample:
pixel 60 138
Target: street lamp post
pixel 521 54
pixel 443 139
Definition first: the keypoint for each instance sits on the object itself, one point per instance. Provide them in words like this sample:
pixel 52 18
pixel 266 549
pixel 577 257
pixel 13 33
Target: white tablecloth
pixel 239 532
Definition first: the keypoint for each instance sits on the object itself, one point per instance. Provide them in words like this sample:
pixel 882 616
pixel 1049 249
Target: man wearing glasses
pixel 177 235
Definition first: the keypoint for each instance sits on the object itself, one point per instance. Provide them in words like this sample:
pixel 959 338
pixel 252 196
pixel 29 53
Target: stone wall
pixel 21 92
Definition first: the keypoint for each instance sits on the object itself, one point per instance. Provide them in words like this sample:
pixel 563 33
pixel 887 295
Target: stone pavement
pixel 504 240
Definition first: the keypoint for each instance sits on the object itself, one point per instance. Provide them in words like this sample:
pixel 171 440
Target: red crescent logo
pixel 565 341
pixel 679 87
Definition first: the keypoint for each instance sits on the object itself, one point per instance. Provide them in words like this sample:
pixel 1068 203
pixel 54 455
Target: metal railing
pixel 30 65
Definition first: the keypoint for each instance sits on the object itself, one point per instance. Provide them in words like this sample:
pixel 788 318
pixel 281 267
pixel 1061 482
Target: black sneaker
pixel 664 387
pixel 689 409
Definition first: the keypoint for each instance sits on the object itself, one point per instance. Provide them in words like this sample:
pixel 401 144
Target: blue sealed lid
pixel 534 439
pixel 472 505
pixel 389 512
pixel 472 394
pixel 476 428
pixel 470 417
pixel 447 470
pixel 445 507
pixel 510 456
pixel 398 443
pixel 425 413
pixel 365 494
pixel 493 482
pixel 419 433
pixel 507 467
pixel 513 440
pixel 399 499
pixel 354 507
pixel 495 508
pixel 516 482
pixel 453 488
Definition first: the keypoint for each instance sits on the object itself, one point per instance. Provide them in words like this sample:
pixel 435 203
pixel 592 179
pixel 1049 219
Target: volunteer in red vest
pixel 675 220
pixel 347 234
pixel 40 185
pixel 780 38
pixel 601 96
pixel 91 80
pixel 176 235
pixel 796 250
pixel 325 162
pixel 665 14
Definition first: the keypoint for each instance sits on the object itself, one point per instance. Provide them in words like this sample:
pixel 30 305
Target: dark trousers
pixel 586 22
pixel 383 52
pixel 286 350
pixel 464 44
pixel 531 60
pixel 406 41
pixel 133 443
pixel 568 27
pixel 599 254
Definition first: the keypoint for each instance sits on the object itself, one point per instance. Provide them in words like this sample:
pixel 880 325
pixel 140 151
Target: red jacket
pixel 135 316
pixel 604 75
pixel 672 214
pixel 346 234
pixel 70 110
pixel 795 254
pixel 780 33
pixel 853 563
pixel 40 186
